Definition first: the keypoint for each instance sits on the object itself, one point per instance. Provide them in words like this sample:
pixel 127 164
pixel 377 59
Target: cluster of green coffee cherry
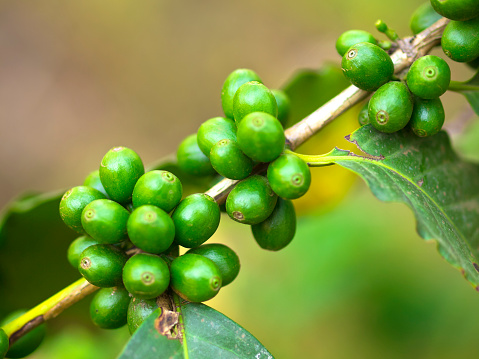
pixel 413 98
pixel 134 222
pixel 130 242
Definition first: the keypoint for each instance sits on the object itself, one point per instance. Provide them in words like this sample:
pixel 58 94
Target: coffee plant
pixel 145 247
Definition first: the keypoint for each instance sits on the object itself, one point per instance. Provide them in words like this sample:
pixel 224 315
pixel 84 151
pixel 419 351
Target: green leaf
pixel 470 89
pixel 193 331
pixel 310 89
pixel 426 174
pixel 33 242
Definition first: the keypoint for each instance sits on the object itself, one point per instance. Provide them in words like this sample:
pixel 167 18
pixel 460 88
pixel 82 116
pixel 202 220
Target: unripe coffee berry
pixel 278 230
pixel 151 229
pixel 229 161
pixel 351 38
pixel 73 202
pixel 284 106
pixel 459 10
pixel 102 265
pixel 191 159
pixel 261 136
pixel 224 257
pixel 428 77
pixel 93 180
pixel 390 107
pixel 460 40
pixel 158 188
pixel 138 311
pixel 358 62
pixel 423 17
pixel 196 219
pixel 363 116
pixel 214 130
pixel 289 176
pixel 4 343
pixel 232 83
pixel 427 117
pixel 105 221
pixel 253 97
pixel 146 276
pixel 77 247
pixel 251 201
pixel 195 278
pixel 120 168
pixel 109 307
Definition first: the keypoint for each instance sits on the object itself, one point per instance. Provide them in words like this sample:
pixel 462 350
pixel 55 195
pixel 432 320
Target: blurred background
pixel 77 78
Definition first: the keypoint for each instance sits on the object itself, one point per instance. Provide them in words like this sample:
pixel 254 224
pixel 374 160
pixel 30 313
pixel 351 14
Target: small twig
pixel 49 309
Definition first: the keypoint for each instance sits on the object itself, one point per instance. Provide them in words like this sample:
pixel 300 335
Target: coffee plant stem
pixel 49 309
pixel 459 86
pixel 409 49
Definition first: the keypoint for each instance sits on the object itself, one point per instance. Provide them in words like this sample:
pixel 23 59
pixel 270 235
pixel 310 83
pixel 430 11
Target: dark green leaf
pixel 425 174
pixel 470 89
pixel 310 89
pixel 33 241
pixel 205 334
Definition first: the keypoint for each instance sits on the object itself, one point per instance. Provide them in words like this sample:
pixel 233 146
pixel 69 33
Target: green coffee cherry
pixel 223 256
pixel 253 97
pixel 278 230
pixel 351 38
pixel 105 221
pixel 196 219
pixel 73 202
pixel 93 180
pixel 120 168
pixel 27 343
pixel 284 106
pixel 423 17
pixel 251 201
pixel 460 40
pixel 146 276
pixel 229 161
pixel 158 188
pixel 4 343
pixel 138 311
pixel 360 59
pixel 390 107
pixel 429 77
pixel 459 10
pixel 151 229
pixel 231 85
pixel 195 278
pixel 427 117
pixel 191 160
pixel 102 265
pixel 289 176
pixel 214 130
pixel 109 307
pixel 261 137
pixel 77 247
pixel 363 116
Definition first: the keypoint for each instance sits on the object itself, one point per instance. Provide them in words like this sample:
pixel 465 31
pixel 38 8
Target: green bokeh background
pixel 77 78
